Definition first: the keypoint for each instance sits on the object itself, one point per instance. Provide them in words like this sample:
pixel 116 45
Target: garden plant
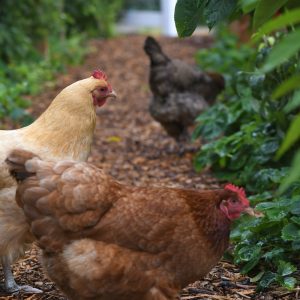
pixel 251 136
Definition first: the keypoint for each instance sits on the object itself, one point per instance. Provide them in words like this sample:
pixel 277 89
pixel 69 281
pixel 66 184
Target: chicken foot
pixel 10 286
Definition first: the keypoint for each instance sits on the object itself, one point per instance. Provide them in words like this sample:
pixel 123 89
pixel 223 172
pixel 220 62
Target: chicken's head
pixel 235 202
pixel 102 90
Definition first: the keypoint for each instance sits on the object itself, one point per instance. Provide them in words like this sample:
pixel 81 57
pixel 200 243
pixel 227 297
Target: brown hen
pixel 105 240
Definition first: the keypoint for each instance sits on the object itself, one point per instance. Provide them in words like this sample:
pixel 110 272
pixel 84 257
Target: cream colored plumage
pixel 64 131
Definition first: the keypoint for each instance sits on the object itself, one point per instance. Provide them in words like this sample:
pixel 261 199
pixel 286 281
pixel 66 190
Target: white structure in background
pixel 135 20
pixel 167 17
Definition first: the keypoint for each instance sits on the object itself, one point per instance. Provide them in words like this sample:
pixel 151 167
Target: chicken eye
pixel 234 200
pixel 103 89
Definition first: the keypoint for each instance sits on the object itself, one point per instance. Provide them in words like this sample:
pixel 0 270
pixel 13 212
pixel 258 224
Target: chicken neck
pixel 211 221
pixel 66 128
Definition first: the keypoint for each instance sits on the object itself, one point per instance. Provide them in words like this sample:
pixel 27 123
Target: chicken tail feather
pixel 16 164
pixel 154 51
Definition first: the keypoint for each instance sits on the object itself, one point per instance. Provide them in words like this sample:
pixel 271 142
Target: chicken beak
pixel 252 212
pixel 112 94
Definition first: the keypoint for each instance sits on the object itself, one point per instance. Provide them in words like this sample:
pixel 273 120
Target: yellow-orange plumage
pixel 64 131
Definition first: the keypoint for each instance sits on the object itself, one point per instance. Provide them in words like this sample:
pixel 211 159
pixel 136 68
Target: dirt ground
pixel 134 149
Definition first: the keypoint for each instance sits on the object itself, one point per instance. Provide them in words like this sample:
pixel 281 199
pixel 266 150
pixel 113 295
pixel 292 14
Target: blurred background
pixel 40 38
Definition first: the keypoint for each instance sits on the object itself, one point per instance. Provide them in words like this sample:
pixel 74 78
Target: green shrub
pixel 28 78
pixel 97 18
pixel 252 134
pixel 39 38
pixel 243 132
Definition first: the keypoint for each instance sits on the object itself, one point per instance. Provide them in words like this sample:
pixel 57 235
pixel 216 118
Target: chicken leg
pixel 10 285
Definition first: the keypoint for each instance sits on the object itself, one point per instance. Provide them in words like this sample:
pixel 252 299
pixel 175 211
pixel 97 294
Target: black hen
pixel 180 91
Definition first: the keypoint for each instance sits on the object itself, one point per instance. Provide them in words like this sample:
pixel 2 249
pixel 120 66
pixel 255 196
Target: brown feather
pixel 16 163
pixel 105 240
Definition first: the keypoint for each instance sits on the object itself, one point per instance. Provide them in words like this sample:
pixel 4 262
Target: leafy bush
pixel 26 27
pixel 225 46
pixel 252 133
pixel 37 39
pixel 97 18
pixel 243 133
pixel 28 78
pixel 226 56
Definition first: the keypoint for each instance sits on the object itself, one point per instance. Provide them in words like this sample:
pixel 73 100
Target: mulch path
pixel 134 149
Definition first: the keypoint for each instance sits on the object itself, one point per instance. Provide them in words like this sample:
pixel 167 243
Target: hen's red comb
pixel 98 74
pixel 239 190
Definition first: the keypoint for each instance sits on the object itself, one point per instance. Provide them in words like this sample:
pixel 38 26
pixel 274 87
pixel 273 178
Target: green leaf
pixel 296 245
pixel 293 103
pixel 250 265
pixel 248 253
pixel 285 268
pixel 285 49
pixel 247 5
pixel 257 277
pixel 276 214
pixel 269 146
pixel 267 279
pixel 288 18
pixel 294 174
pixel 290 232
pixel 187 16
pixel 260 197
pixel 273 253
pixel 218 10
pixel 296 219
pixel 292 136
pixel 265 10
pixel 289 282
pixel 287 86
pixel 295 208
pixel 264 206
